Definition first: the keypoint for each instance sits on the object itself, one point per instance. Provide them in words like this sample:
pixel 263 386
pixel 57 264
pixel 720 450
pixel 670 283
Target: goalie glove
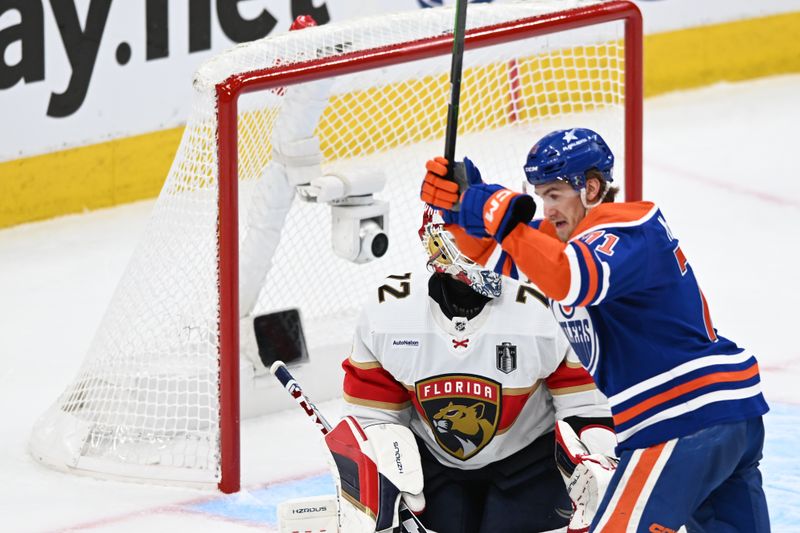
pixel 374 467
pixel 586 474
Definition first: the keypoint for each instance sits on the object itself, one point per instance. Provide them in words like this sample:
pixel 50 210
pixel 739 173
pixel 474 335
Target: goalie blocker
pixel 374 467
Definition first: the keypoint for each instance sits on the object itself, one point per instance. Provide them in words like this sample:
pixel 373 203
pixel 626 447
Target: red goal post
pixel 158 395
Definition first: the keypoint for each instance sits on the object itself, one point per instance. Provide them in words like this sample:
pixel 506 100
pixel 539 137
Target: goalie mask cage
pixel 157 396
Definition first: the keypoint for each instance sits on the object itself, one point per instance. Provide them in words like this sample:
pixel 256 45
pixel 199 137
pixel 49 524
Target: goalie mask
pixel 445 257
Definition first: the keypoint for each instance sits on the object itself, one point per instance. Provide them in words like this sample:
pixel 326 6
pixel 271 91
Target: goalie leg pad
pixel 373 467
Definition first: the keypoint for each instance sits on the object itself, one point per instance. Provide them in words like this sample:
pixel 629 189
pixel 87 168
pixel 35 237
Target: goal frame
pixel 229 91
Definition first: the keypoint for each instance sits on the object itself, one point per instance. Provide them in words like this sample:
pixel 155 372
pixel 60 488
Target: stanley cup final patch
pixel 506 357
pixel 462 410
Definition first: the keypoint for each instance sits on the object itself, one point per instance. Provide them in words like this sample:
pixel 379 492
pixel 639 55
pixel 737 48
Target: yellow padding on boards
pixel 733 51
pixel 134 168
pixel 85 178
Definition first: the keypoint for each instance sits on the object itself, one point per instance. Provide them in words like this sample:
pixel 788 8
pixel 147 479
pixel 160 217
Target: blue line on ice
pixel 260 505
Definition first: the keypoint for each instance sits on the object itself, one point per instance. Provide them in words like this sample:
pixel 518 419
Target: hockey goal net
pixel 158 395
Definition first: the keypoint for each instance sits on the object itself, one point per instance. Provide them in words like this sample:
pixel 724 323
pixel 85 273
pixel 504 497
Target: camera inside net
pixel 358 232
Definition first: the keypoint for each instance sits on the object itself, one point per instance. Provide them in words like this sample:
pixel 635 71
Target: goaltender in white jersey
pixel 480 374
pixel 474 391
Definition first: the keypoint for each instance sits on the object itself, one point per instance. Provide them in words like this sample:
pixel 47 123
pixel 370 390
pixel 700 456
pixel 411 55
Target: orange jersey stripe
pixel 623 511
pixel 591 269
pixel 612 213
pixel 689 386
pixel 541 257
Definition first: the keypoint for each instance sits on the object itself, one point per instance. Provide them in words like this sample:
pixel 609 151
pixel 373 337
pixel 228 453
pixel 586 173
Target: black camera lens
pixel 380 244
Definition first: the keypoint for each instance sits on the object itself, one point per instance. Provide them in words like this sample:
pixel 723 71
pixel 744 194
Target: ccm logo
pixel 495 201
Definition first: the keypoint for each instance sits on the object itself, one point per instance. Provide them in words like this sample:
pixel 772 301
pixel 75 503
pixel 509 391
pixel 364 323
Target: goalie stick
pixel 409 523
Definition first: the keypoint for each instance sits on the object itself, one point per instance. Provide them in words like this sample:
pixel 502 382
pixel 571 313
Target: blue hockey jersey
pixel 628 301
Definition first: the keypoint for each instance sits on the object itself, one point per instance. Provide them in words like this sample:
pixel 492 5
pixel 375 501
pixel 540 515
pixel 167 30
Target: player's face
pixel 562 207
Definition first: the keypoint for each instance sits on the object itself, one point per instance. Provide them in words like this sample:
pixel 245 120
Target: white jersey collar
pixel 459 327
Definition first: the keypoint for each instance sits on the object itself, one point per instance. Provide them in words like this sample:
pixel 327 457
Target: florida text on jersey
pixel 628 301
pixel 475 391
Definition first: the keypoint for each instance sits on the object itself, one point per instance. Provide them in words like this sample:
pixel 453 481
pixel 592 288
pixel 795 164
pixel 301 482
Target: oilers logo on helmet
pixel 580 332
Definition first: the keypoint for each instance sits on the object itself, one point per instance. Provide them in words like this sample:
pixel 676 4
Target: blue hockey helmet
pixel 566 155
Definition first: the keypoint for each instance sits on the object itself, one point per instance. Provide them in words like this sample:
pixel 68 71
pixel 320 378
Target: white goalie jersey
pixel 475 391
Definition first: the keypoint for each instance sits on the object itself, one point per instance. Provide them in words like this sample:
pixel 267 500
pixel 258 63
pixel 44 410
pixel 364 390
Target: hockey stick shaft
pixel 279 370
pixel 283 375
pixel 451 128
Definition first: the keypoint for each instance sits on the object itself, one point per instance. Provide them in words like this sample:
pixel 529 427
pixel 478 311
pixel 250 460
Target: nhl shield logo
pixel 462 410
pixel 506 357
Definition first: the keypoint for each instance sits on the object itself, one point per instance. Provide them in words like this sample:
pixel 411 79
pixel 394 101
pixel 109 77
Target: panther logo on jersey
pixel 462 410
pixel 581 333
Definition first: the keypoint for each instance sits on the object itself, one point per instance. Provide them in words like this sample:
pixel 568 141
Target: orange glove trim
pixel 438 166
pixel 437 196
pixel 436 189
pixel 495 209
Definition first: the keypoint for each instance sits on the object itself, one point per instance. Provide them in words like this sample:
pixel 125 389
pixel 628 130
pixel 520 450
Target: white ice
pixel 719 161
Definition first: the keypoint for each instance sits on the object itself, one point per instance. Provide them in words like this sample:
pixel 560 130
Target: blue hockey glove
pixel 466 174
pixel 449 217
pixel 492 210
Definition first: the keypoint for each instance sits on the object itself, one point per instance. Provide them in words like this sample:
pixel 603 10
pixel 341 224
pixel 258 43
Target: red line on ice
pixel 722 184
pixel 179 508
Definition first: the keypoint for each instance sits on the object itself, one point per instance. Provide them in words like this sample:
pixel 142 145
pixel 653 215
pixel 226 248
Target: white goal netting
pixel 145 403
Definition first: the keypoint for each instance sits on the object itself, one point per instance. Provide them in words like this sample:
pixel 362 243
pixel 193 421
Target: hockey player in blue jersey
pixel 686 402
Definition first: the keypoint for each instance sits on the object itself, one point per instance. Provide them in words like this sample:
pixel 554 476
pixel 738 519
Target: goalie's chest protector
pixel 477 385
